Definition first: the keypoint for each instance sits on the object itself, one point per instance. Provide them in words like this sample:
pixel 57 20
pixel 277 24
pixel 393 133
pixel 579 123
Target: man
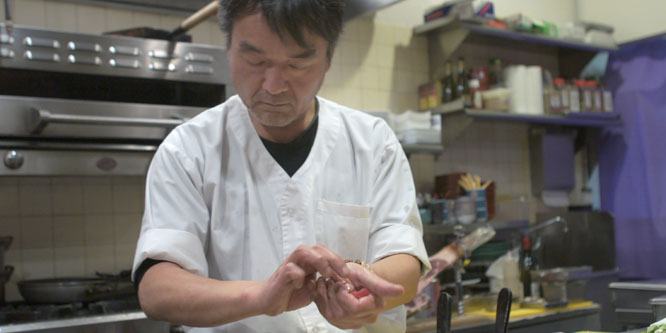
pixel 253 206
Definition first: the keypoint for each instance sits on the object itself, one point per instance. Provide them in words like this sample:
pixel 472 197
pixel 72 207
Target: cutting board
pixel 429 324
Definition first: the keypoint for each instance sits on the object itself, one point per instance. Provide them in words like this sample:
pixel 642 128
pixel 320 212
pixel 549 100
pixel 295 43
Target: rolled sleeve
pixel 176 218
pixel 397 239
pixel 396 223
pixel 179 247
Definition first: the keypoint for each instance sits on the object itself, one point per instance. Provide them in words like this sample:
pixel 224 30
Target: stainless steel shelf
pixel 477 27
pixel 422 148
pixel 456 118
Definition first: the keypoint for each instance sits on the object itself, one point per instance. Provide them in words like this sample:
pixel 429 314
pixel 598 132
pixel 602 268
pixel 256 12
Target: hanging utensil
pixel 177 34
pixel 8 17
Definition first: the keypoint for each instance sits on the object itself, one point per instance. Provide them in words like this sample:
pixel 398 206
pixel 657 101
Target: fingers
pixel 359 306
pixel 321 259
pixel 294 275
pixel 376 285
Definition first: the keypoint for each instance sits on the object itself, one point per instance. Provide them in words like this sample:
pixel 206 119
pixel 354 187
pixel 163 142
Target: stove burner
pixel 19 312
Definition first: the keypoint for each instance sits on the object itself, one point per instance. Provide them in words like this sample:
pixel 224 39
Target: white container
pixel 511 276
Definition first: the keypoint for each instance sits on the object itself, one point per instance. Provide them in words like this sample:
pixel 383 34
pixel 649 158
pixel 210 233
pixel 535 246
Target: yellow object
pixel 517 312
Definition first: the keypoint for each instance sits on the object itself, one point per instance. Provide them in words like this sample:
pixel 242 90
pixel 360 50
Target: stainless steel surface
pixel 50 50
pixel 542 225
pixel 39 119
pixel 631 300
pixel 52 325
pixel 79 104
pixel 19 115
pixel 659 307
pixel 81 163
pixel 354 8
pixel 13 160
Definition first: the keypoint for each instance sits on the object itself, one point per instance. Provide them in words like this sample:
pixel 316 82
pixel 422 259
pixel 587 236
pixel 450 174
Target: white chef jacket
pixel 220 206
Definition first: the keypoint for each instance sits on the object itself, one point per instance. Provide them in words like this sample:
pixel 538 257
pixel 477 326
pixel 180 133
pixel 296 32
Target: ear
pixel 329 60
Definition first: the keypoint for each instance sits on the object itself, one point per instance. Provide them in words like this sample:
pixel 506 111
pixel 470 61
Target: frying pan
pixel 177 34
pixel 70 290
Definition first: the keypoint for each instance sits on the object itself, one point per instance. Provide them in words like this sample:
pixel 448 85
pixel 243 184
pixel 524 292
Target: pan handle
pixel 196 18
pixel 39 119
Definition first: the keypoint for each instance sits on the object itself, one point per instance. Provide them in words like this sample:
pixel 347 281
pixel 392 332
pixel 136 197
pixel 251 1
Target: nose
pixel 275 80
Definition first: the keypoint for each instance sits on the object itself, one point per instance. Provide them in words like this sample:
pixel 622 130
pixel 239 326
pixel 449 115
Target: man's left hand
pixel 344 309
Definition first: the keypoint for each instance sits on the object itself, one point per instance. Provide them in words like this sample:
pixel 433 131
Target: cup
pixel 479 196
pixel 465 210
pixel 440 211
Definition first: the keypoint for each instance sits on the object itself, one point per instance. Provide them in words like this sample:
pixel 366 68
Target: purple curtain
pixel 632 166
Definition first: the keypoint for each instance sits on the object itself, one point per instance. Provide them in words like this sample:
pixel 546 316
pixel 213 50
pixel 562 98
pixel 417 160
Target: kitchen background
pixel 70 226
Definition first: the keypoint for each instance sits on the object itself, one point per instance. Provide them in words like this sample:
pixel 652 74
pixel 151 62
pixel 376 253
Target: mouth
pixel 275 105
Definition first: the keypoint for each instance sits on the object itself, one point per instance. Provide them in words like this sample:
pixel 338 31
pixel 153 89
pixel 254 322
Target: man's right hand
pixel 292 286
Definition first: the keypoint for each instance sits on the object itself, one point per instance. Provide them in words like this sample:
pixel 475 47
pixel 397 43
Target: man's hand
pixel 351 310
pixel 292 286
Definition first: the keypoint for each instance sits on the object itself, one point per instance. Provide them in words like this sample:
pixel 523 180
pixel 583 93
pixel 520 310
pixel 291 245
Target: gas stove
pixel 19 312
pixel 110 315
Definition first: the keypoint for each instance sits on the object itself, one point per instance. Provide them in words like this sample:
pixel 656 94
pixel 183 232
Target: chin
pixel 271 119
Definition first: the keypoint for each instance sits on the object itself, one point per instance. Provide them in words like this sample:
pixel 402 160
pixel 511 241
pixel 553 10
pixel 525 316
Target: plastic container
pixel 511 275
pixel 597 94
pixel 574 97
pixel 563 91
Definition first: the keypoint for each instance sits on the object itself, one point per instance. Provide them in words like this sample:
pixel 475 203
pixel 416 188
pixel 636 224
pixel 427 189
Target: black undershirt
pixel 290 156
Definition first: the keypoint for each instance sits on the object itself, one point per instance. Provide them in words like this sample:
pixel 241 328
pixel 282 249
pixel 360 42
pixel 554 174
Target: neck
pixel 287 133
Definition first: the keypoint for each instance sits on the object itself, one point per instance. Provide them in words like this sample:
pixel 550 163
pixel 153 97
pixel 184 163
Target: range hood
pixel 355 8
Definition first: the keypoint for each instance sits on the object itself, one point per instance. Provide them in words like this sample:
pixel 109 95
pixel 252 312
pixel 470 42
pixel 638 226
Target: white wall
pixel 410 12
pixel 631 19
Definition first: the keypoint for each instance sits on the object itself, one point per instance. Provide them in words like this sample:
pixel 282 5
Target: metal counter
pixel 121 322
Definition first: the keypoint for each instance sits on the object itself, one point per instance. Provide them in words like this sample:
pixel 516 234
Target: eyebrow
pixel 247 47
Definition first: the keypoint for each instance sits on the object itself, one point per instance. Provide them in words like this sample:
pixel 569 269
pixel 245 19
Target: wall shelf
pixel 456 118
pixel 476 26
pixel 449 38
pixel 422 148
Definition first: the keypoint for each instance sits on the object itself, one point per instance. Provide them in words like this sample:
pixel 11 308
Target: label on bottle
pixel 535 290
pixel 587 101
pixel 574 100
pixel 564 97
pixel 597 101
pixel 608 101
pixel 555 103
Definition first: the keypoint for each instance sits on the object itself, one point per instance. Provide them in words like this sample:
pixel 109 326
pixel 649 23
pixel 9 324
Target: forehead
pixel 255 29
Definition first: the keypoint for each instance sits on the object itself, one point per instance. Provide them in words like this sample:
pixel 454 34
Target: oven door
pixel 58 137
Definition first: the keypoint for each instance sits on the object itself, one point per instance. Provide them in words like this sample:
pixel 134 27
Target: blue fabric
pixel 632 166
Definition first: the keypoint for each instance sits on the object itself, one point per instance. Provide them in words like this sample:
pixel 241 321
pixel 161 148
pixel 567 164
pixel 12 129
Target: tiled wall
pixel 76 226
pixel 69 226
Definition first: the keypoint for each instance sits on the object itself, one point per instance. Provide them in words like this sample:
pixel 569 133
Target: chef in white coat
pixel 280 211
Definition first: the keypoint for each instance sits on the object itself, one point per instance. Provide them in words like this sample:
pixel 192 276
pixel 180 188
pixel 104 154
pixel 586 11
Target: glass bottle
pixel 528 264
pixel 495 76
pixel 563 90
pixel 462 86
pixel 447 84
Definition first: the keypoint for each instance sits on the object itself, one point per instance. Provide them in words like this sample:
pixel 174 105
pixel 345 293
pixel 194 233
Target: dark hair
pixel 319 17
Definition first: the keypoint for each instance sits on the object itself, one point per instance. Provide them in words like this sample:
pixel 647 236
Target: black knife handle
pixel 444 313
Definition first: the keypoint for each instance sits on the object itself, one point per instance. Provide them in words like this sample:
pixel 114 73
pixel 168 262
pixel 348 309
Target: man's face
pixel 277 79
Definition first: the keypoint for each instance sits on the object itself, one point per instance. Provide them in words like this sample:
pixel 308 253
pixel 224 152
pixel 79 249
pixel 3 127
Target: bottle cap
pixel 527 243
